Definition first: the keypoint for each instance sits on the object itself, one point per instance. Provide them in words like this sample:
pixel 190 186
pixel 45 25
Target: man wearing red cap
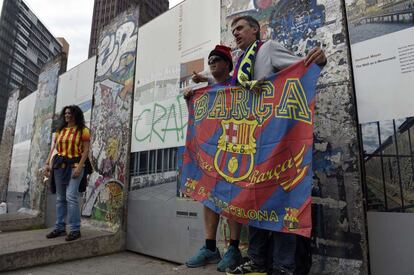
pixel 219 61
pixel 221 64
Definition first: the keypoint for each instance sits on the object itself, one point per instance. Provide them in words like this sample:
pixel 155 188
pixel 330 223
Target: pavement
pixel 118 263
pixel 29 252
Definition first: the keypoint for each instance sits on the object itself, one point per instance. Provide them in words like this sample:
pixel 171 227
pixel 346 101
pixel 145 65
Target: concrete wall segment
pixel 338 213
pixel 110 122
pixel 6 145
pixel 34 197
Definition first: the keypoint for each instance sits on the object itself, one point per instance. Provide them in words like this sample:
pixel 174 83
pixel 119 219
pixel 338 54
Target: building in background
pixel 65 45
pixel 25 46
pixel 105 10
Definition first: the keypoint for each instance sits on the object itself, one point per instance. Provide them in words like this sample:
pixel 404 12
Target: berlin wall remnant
pixel 111 119
pixel 338 241
pixel 6 145
pixel 34 196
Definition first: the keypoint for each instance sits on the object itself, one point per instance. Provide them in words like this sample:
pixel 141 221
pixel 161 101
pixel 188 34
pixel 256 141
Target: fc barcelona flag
pixel 248 154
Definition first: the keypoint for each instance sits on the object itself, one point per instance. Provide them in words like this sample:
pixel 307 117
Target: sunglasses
pixel 214 59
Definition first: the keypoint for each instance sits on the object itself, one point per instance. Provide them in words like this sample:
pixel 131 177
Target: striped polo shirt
pixel 69 141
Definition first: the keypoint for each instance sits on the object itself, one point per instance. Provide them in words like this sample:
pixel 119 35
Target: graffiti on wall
pixel 110 124
pixel 41 135
pixel 160 119
pixel 300 26
pixel 290 24
pixel 107 200
pixel 6 144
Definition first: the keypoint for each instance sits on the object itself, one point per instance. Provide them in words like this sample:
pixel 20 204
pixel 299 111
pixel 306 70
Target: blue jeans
pixel 67 203
pixel 282 248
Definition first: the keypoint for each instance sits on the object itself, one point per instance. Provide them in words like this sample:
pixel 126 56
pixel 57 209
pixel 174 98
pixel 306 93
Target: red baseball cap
pixel 224 52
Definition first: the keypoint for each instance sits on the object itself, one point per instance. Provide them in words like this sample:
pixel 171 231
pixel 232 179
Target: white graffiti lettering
pixel 114 46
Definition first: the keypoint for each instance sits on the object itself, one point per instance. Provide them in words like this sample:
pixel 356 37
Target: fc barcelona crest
pixel 290 220
pixel 234 159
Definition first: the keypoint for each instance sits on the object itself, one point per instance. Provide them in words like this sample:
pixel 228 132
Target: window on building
pixel 19 58
pixel 18 67
pixel 153 161
pixel 14 85
pixel 16 77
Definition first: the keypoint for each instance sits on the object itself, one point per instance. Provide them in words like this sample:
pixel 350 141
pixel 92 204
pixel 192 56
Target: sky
pixel 71 20
pixel 370 133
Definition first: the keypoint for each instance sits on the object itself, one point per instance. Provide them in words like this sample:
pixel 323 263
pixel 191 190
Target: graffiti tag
pixel 164 119
pixel 114 46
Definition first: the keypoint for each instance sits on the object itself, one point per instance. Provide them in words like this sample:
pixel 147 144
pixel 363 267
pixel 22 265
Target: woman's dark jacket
pixel 67 173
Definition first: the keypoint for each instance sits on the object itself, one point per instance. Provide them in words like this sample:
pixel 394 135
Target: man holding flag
pixel 248 152
pixel 220 64
pixel 259 60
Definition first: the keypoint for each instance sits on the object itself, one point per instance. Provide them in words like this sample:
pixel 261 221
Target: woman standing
pixel 68 170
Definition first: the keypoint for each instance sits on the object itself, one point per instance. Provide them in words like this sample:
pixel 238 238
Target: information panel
pixel 192 29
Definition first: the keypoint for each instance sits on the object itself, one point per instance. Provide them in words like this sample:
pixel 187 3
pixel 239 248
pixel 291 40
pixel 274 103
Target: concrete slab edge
pixel 19 224
pixel 83 248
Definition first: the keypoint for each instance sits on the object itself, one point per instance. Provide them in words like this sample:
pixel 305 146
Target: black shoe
pixel 247 268
pixel 56 233
pixel 282 271
pixel 73 235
